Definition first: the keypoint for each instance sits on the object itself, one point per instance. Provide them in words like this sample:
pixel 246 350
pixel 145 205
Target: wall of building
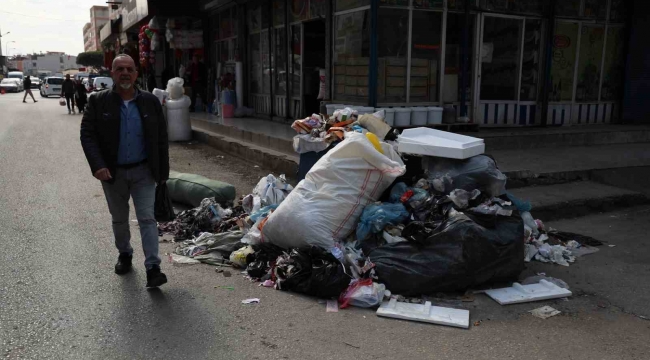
pixel 54 62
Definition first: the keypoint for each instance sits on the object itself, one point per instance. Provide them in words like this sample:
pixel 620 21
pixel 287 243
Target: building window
pixel 342 5
pixel 531 60
pixel 452 88
pixel 392 56
pixel 351 55
pixel 500 58
pixel 565 41
pixel 570 8
pixel 589 63
pixel 426 56
pixel 614 69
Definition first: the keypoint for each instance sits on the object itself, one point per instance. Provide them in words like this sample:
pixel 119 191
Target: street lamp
pixel 7 47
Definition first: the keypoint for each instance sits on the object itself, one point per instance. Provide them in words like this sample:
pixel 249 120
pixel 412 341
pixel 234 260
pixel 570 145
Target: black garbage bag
pixel 458 255
pixel 261 261
pixel 163 207
pixel 311 271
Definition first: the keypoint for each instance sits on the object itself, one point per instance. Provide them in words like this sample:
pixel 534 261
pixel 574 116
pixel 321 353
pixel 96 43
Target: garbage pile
pixel 368 224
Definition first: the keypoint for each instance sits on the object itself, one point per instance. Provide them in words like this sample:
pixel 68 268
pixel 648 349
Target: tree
pixel 91 58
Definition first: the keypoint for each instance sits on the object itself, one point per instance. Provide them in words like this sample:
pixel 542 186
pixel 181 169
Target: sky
pixel 44 25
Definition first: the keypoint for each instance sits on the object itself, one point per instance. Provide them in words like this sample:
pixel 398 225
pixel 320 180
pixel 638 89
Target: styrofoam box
pixel 431 142
pixel 402 117
pixel 425 313
pixel 419 116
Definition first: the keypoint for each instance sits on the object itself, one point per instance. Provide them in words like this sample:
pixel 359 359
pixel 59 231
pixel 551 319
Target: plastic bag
pixel 478 172
pixel 263 212
pixel 163 207
pixel 326 206
pixel 238 257
pixel 311 271
pixel 362 293
pixel 254 235
pixel 272 190
pixel 375 125
pixel 175 88
pixel 461 198
pixel 375 217
pixel 62 102
pixel 306 143
pixel 458 255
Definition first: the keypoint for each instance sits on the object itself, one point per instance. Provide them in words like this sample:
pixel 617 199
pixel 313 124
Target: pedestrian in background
pixel 82 97
pixel 27 84
pixel 68 90
pixel 124 137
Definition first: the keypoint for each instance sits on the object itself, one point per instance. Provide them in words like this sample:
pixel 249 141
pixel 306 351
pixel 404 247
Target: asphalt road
pixel 59 297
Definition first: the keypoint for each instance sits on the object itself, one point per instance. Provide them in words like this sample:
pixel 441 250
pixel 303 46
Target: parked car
pixel 11 85
pixel 51 86
pixel 98 81
pixel 36 82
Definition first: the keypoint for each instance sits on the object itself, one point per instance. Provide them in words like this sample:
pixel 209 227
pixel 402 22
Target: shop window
pixel 618 11
pixel 342 5
pixel 280 70
pixel 352 56
pixel 565 41
pixel 256 64
pixel 318 8
pixel 296 60
pixel 500 58
pixel 451 85
pixel 567 8
pixel 392 56
pixel 459 4
pixel 425 56
pixel 595 9
pixel 614 69
pixel 299 10
pixel 531 60
pixel 254 16
pixel 394 3
pixel 266 62
pixel 517 6
pixel 226 26
pixel 279 12
pixel 428 4
pixel 589 62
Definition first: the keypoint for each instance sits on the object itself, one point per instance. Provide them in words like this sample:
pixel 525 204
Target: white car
pixel 51 86
pixel 98 81
pixel 36 82
pixel 11 85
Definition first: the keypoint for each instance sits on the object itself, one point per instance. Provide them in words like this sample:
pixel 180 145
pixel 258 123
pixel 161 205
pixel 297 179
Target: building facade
pixel 498 62
pixel 91 31
pixel 53 61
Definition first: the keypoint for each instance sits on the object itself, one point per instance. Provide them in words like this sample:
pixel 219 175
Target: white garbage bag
pixel 325 207
pixel 175 88
pixel 272 190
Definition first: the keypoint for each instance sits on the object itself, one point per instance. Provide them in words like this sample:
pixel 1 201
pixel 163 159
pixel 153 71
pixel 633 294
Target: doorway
pixel 313 60
pixel 509 65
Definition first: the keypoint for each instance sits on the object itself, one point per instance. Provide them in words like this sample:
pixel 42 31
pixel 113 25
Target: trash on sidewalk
pixel 425 313
pixel 251 301
pixel 544 312
pixel 544 290
pixel 332 306
pixel 180 260
pixel 362 293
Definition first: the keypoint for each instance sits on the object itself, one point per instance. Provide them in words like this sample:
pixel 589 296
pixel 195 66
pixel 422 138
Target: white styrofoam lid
pixel 427 136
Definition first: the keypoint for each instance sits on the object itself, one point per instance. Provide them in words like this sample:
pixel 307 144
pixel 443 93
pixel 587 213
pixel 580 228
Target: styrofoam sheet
pixel 518 293
pixel 408 147
pixel 424 313
pixel 431 142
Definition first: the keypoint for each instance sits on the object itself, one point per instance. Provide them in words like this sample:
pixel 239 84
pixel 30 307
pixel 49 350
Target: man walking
pixel 67 90
pixel 124 137
pixel 27 84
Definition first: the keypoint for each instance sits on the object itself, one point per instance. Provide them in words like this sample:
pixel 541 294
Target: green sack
pixel 191 189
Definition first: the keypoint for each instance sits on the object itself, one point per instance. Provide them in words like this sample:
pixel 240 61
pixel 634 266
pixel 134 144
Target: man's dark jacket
pixel 100 132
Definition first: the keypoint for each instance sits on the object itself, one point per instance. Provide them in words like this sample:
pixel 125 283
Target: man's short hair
pixel 121 56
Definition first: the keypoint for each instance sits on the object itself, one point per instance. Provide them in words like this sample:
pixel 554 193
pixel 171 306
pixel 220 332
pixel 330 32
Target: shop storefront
pixel 498 62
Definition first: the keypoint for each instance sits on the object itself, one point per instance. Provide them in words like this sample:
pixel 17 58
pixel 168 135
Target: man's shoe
pixel 123 265
pixel 155 278
pixel 69 112
pixel 73 113
pixel 35 101
pixel 24 101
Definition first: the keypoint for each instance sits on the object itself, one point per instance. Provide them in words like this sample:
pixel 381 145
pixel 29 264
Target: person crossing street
pixel 68 90
pixel 27 84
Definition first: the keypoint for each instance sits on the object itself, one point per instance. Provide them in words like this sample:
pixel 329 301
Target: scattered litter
pixel 518 293
pixel 478 323
pixel 251 301
pixel 179 260
pixel 425 313
pixel 611 245
pixel 332 306
pixel 225 287
pixel 268 283
pixel 227 274
pixel 544 312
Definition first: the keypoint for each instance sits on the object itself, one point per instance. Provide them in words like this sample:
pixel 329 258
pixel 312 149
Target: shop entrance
pixel 313 60
pixel 509 66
